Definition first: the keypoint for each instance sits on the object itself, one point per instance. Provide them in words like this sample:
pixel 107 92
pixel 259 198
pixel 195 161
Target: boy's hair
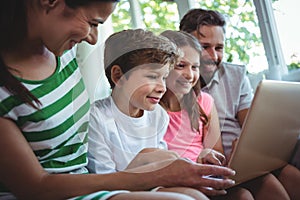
pixel 196 18
pixel 189 101
pixel 135 47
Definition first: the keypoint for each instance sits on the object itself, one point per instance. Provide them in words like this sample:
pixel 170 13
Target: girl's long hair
pixel 190 100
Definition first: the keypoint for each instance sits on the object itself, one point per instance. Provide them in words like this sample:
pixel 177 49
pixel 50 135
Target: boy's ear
pixel 116 74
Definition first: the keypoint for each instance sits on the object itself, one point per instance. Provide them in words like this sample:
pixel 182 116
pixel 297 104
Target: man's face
pixel 212 40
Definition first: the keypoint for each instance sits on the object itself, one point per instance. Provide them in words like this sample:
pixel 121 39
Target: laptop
pixel 270 131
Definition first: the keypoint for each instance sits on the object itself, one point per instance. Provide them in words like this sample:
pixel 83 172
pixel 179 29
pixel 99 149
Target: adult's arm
pixel 21 172
pixel 241 115
pixel 246 96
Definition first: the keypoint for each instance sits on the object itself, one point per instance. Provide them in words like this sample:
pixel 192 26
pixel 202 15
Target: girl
pixel 198 140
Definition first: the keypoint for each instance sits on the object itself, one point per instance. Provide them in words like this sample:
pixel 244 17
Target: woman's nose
pixel 93 36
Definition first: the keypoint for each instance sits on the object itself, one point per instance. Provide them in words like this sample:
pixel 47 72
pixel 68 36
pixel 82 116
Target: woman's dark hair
pixel 78 3
pixel 189 101
pixel 13 22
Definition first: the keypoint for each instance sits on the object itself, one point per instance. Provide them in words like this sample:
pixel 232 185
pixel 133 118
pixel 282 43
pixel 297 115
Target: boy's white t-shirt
pixel 115 138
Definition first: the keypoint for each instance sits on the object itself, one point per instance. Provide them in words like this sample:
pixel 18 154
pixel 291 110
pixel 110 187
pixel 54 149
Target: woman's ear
pixel 49 4
pixel 116 74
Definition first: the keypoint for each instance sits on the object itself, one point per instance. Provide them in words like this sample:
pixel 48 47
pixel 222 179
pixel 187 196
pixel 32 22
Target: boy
pixel 137 63
pixel 127 128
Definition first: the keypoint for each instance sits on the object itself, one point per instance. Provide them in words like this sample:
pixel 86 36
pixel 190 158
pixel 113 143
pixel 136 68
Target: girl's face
pixel 144 88
pixel 63 27
pixel 186 72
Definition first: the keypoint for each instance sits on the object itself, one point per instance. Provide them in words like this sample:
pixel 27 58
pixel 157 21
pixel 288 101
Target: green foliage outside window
pixel 242 30
pixel 243 35
pixel 293 66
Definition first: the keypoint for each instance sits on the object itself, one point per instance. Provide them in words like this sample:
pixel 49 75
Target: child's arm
pixel 212 134
pixel 155 155
pixel 151 155
pixel 212 143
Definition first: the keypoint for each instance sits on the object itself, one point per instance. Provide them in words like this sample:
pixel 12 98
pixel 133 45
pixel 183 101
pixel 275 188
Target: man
pixel 226 82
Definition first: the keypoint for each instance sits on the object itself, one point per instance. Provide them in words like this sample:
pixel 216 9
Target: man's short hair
pixel 198 17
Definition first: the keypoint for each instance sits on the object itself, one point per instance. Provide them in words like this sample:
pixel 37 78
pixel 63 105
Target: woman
pixel 44 108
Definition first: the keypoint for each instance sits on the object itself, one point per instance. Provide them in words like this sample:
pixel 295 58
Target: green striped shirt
pixel 57 132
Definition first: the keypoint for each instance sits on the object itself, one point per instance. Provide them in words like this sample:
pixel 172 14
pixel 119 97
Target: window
pixel 247 41
pixel 286 14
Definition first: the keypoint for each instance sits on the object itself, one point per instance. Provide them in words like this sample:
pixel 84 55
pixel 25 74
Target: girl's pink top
pixel 180 137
